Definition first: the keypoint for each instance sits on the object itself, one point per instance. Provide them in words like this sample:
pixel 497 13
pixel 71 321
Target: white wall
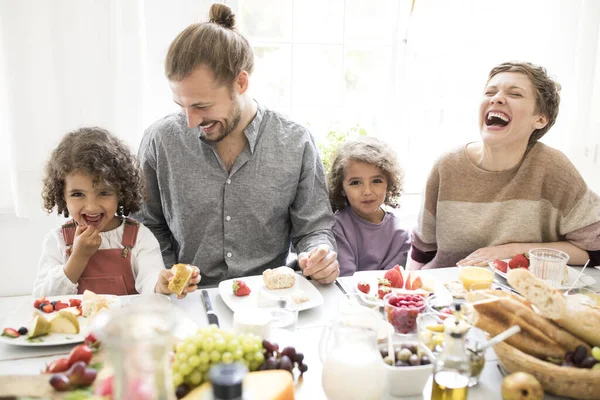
pixel 20 247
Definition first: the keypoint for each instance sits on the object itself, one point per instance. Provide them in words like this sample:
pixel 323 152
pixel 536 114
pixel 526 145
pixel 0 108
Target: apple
pixel 521 386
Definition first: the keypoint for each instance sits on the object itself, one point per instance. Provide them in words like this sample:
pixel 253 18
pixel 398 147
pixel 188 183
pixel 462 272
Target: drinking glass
pixel 549 265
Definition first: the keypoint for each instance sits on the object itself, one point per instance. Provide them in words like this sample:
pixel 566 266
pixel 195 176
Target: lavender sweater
pixel 364 246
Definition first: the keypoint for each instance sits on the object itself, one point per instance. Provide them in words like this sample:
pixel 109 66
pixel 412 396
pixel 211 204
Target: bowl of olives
pixel 413 364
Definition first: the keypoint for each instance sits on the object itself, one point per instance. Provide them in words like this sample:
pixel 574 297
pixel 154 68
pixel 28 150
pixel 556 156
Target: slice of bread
pixel 551 303
pixel 182 273
pixel 279 278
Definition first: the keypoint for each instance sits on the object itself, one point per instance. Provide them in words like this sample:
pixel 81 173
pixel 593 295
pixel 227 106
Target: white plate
pixel 371 299
pixel 24 314
pixel 585 280
pixel 258 290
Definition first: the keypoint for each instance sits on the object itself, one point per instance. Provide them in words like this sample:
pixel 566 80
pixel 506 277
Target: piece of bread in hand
pixel 551 303
pixel 279 278
pixel 182 273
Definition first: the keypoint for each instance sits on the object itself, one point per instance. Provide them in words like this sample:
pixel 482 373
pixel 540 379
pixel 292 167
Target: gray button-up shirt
pixel 239 223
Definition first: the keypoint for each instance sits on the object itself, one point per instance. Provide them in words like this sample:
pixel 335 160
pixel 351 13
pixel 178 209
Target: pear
pixel 521 386
pixel 64 322
pixel 40 326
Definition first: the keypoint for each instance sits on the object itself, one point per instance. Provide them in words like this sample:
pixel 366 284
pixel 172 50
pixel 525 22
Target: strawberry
pixel 383 290
pixel 500 265
pixel 47 308
pixel 364 287
pixel 519 261
pixel 383 282
pixel 59 305
pixel 395 277
pixel 37 302
pixel 240 288
pixel 10 332
pixel 74 302
pixel 415 281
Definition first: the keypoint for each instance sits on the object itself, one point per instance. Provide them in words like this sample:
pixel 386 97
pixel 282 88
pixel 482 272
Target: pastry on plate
pixel 279 278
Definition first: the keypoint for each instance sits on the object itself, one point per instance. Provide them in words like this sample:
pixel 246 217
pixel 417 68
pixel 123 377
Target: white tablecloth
pixel 15 360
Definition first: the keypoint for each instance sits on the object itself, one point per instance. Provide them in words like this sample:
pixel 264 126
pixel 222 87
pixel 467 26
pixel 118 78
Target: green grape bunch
pixel 209 346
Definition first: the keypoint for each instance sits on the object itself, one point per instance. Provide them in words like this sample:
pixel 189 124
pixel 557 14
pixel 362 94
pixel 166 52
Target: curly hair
pixel 98 153
pixel 371 151
pixel 547 92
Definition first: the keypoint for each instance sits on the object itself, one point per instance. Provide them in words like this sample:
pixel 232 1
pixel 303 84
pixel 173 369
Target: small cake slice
pixel 279 278
pixel 182 273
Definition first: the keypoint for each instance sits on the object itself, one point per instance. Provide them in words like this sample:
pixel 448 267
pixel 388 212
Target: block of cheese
pixel 182 273
pixel 64 322
pixel 260 385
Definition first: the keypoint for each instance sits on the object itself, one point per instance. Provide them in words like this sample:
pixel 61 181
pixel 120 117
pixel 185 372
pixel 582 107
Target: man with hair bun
pixel 231 184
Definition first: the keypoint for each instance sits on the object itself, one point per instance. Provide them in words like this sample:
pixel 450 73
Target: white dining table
pixel 17 360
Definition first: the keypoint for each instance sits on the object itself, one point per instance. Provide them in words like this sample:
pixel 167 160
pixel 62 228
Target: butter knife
pixel 210 313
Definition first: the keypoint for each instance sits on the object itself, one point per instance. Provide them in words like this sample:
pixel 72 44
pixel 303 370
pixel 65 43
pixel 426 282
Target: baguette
pixel 551 303
pixel 582 320
pixel 182 273
pixel 493 318
pixel 493 294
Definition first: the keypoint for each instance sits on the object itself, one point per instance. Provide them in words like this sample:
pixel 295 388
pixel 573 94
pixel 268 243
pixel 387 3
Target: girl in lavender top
pixel 365 176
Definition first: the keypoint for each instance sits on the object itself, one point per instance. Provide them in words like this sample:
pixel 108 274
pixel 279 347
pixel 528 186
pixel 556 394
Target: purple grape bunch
pixel 286 359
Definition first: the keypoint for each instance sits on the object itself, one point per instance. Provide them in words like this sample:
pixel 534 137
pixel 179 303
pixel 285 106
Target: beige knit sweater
pixel 543 199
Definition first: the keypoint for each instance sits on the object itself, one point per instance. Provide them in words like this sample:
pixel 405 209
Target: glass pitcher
pixel 352 365
pixel 137 339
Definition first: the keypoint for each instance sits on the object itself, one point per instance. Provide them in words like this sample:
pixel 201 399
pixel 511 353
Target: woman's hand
pixel 481 257
pixel 87 241
pixel 162 285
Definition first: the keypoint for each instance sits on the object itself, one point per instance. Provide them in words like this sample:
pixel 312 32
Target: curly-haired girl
pixel 93 178
pixel 365 175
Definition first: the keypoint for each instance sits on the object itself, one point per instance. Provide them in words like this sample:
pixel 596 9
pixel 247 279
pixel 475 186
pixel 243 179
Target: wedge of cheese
pixel 40 326
pixel 260 385
pixel 64 322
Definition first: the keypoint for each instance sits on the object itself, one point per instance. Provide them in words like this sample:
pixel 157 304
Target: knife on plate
pixel 210 313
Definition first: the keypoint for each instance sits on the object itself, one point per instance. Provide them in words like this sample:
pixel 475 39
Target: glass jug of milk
pixel 352 364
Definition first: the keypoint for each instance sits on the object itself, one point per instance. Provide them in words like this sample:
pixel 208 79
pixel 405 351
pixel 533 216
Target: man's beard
pixel 229 125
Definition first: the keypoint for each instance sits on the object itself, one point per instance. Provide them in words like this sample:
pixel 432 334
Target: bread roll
pixel 182 273
pixel 279 278
pixel 582 320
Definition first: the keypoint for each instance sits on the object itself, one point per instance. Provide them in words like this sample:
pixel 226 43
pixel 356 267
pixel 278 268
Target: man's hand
pixel 162 285
pixel 481 257
pixel 320 264
pixel 87 241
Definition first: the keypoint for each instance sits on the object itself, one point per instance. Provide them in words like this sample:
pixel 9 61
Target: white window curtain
pixel 413 81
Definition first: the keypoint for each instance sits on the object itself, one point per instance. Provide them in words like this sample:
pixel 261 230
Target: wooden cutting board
pixel 28 385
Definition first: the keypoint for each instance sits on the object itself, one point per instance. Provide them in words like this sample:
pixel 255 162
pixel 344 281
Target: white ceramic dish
pixel 585 280
pixel 409 381
pixel 24 314
pixel 260 295
pixel 371 298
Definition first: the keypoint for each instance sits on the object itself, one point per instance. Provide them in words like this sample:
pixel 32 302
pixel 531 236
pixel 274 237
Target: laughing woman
pixel 508 193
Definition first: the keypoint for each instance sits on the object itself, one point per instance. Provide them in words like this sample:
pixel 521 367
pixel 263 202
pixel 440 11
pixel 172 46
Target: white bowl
pixel 409 381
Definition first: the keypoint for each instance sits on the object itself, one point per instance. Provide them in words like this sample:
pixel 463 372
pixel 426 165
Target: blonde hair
pixel 371 151
pixel 547 92
pixel 216 44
